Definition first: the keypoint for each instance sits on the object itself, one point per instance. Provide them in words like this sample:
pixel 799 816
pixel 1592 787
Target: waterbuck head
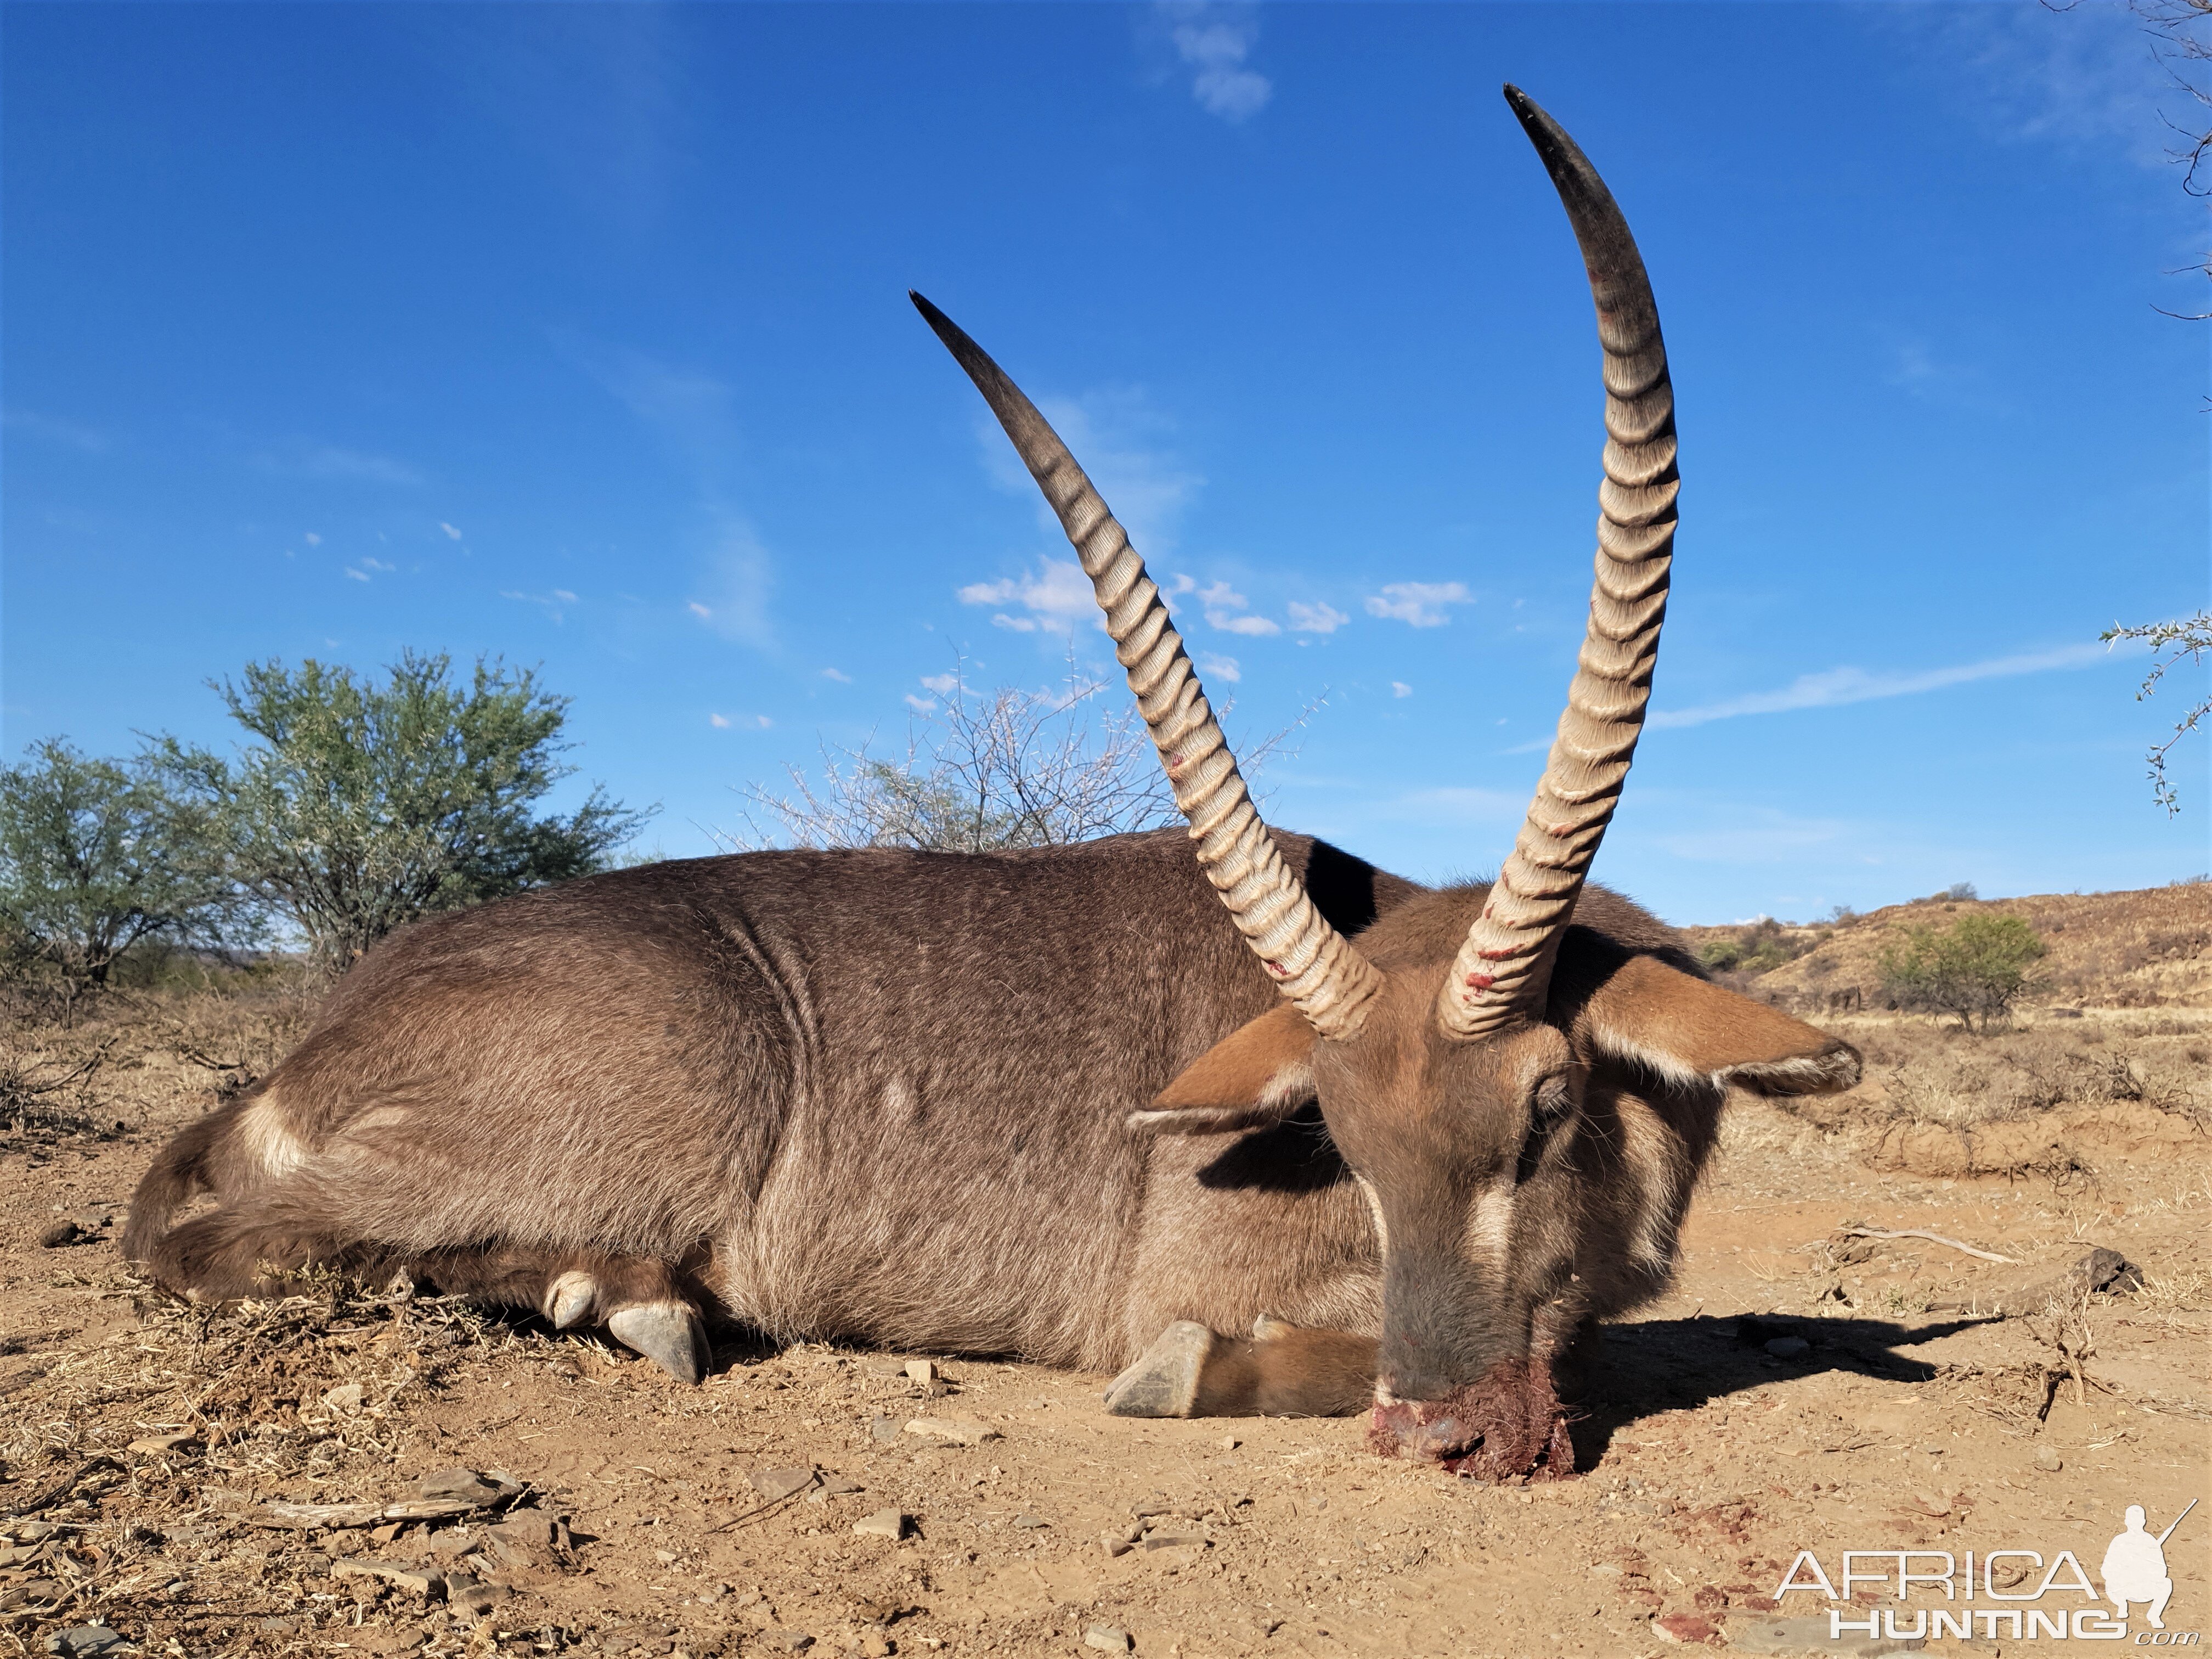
pixel 1453 1050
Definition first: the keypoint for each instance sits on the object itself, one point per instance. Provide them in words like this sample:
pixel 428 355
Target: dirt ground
pixel 1802 1388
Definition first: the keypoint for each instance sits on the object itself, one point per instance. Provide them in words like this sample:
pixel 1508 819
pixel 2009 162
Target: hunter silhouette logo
pixel 2134 1567
pixel 1974 1592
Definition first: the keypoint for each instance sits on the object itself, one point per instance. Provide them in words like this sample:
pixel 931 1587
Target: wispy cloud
pixel 74 434
pixel 452 534
pixel 1757 834
pixel 691 410
pixel 739 722
pixel 944 684
pixel 1214 41
pixel 1215 667
pixel 302 459
pixel 922 705
pixel 1423 605
pixel 313 539
pixel 1834 687
pixel 357 575
pixel 838 675
pixel 1224 608
pixel 1122 441
pixel 1400 689
pixel 733 591
pixel 555 602
pixel 1315 618
pixel 1057 598
pixel 2073 74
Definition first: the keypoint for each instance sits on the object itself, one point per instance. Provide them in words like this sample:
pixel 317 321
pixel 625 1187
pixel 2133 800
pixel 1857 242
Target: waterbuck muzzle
pixel 1451 1096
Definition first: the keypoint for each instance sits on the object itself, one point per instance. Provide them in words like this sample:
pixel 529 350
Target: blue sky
pixel 580 334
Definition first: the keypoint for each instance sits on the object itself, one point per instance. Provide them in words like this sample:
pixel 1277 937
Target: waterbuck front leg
pixel 639 1299
pixel 1279 1370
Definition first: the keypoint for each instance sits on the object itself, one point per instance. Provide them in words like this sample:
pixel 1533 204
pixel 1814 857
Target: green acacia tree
pixel 96 855
pixel 363 805
pixel 1975 968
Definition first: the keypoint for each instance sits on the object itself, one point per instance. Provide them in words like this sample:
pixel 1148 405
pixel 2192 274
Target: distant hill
pixel 2151 948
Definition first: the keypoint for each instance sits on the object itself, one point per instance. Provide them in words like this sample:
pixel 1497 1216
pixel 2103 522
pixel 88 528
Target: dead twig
pixel 1933 1238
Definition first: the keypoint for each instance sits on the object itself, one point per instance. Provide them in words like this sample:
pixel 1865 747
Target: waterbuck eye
pixel 1551 1101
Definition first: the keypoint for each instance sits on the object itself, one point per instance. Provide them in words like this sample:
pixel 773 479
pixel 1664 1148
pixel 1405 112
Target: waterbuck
pixel 1267 1131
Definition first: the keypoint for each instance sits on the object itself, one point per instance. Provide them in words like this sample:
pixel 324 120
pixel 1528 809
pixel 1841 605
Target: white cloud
pixel 719 722
pixel 1219 668
pixel 376 564
pixel 744 722
pixel 1421 603
pixel 699 611
pixel 564 595
pixel 838 675
pixel 920 705
pixel 943 684
pixel 313 540
pixel 1400 689
pixel 1836 686
pixel 1215 39
pixel 358 575
pixel 1057 598
pixel 1223 606
pixel 1315 618
pixel 452 534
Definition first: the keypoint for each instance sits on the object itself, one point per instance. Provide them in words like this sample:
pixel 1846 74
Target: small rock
pixel 773 1484
pixel 884 1367
pixel 922 1370
pixel 1114 1544
pixel 404 1578
pixel 883 1430
pixel 1173 1540
pixel 531 1528
pixel 1686 1627
pixel 86 1641
pixel 953 1431
pixel 159 1445
pixel 345 1399
pixel 387 1532
pixel 834 1486
pixel 280 1625
pixel 1109 1638
pixel 883 1523
pixel 874 1644
pixel 1781 1347
pixel 787 1641
pixel 456 1482
pixel 1230 1442
pixel 2048 1461
pixel 54 1237
pixel 473 1598
pixel 1030 1522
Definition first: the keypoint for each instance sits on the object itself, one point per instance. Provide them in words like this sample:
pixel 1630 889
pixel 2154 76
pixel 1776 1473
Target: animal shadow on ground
pixel 1656 1365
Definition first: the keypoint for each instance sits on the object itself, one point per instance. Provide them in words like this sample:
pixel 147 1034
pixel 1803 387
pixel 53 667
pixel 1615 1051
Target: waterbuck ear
pixel 1258 1075
pixel 1689 1029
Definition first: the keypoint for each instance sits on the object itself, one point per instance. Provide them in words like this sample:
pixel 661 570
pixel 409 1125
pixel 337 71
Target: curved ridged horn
pixel 1504 968
pixel 1315 966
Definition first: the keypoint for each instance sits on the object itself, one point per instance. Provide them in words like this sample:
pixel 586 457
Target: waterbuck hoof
pixel 1164 1383
pixel 568 1299
pixel 668 1333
